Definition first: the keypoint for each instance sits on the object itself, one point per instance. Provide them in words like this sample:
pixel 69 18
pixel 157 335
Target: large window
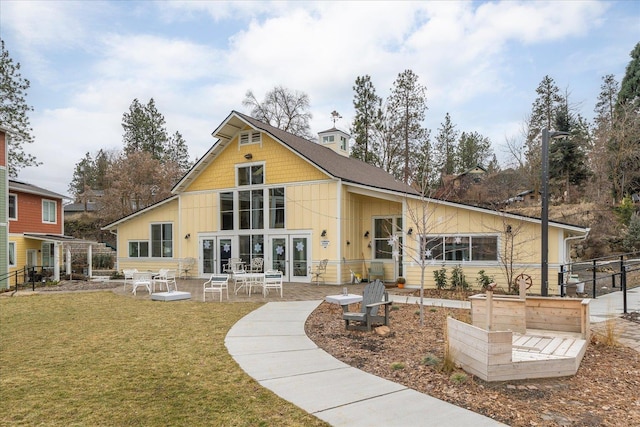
pixel 226 211
pixel 251 247
pixel 47 255
pixel 251 175
pixel 138 249
pixel 12 254
pixel 13 206
pixel 461 248
pixel 383 231
pixel 162 240
pixel 276 207
pixel 49 211
pixel 251 209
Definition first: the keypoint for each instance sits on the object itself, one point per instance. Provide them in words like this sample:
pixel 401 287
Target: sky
pixel 481 62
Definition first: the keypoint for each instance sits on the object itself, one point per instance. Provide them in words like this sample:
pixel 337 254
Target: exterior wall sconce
pixel 248 156
pixel 369 246
pixel 324 233
pixel 187 236
pixel 366 234
pixel 410 231
pixel 348 242
pixel 508 231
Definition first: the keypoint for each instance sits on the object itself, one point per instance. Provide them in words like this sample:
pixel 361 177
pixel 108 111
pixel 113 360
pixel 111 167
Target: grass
pixel 101 359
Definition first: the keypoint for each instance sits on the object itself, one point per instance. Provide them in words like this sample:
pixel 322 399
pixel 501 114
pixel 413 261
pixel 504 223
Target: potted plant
pixel 400 281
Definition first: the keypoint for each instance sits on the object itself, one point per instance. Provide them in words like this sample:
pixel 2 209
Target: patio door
pixel 290 255
pixel 214 254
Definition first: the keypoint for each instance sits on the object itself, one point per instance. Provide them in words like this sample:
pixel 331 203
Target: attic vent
pixel 252 137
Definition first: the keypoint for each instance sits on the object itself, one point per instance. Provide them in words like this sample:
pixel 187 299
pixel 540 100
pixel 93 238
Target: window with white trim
pixel 138 249
pixel 383 231
pixel 12 254
pixel 162 240
pixel 47 255
pixel 49 211
pixel 343 143
pixel 226 210
pixel 250 137
pixel 327 138
pixel 276 207
pixel 460 247
pixel 13 206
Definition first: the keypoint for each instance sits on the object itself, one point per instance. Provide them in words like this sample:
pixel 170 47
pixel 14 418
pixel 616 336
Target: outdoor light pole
pixel 546 135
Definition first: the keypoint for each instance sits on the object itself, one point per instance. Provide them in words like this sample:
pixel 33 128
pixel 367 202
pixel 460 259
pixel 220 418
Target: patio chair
pixel 166 278
pixel 373 296
pixel 185 266
pixel 128 276
pixel 272 280
pixel 320 271
pixel 257 264
pixel 141 279
pixel 233 265
pixel 216 284
pixel 376 271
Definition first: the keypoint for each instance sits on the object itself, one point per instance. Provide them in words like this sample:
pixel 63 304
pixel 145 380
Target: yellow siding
pixel 282 166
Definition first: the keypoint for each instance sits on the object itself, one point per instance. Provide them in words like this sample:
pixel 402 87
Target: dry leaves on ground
pixel 605 391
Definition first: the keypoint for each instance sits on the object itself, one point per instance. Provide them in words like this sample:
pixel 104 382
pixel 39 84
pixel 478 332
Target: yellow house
pixel 262 192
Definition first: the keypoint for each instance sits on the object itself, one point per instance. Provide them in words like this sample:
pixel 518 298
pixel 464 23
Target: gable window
pixel 13 206
pixel 49 211
pixel 250 137
pixel 343 143
pixel 12 254
pixel 461 248
pixel 251 209
pixel 251 175
pixel 138 249
pixel 162 240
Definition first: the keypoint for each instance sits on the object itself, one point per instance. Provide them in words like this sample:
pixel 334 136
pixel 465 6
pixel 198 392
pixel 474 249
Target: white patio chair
pixel 185 266
pixel 166 278
pixel 272 280
pixel 128 276
pixel 141 279
pixel 257 265
pixel 216 283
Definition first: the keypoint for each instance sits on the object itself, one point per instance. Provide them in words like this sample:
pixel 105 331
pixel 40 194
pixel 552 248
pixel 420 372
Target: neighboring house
pixel 262 192
pixel 87 203
pixel 36 232
pixel 4 200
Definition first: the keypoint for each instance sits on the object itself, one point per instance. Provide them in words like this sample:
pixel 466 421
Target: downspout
pixel 117 256
pixel 567 259
pixel 339 228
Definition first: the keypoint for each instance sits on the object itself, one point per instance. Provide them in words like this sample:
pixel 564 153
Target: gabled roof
pixel 136 213
pixel 337 166
pixel 32 189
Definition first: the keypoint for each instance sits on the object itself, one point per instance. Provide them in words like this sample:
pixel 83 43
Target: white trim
pixel 55 211
pixel 9 217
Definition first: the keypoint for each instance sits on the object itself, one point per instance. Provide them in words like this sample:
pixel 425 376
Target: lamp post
pixel 546 135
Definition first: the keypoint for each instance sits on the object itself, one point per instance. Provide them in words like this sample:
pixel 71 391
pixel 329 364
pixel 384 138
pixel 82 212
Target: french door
pixel 290 254
pixel 214 254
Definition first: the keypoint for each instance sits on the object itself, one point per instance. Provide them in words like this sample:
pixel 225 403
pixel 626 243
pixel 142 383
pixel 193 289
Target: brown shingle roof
pixel 346 168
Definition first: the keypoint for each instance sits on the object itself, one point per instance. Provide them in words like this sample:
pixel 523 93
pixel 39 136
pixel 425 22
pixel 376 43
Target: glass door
pixel 279 253
pixel 208 255
pixel 224 251
pixel 299 265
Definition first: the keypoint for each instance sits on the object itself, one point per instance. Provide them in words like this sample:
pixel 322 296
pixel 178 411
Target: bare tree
pixel 283 108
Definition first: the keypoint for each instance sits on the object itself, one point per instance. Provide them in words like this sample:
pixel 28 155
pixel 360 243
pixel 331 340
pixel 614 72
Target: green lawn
pixel 99 359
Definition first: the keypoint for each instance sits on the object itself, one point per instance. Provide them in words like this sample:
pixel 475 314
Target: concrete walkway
pixel 270 344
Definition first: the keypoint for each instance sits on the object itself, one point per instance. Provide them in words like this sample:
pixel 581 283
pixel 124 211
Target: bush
pixel 458 280
pixel 440 277
pixel 483 280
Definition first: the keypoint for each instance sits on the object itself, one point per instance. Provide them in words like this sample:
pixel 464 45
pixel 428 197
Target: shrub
pixel 397 366
pixel 431 360
pixel 458 280
pixel 440 277
pixel 458 378
pixel 483 280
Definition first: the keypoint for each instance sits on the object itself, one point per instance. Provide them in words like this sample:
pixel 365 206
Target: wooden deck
pixel 505 356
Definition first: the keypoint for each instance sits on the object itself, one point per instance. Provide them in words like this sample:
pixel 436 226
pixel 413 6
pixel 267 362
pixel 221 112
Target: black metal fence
pixel 601 276
pixel 28 277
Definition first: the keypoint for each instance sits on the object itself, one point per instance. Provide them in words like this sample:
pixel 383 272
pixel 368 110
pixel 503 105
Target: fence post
pixel 594 279
pixel 623 285
pixel 561 281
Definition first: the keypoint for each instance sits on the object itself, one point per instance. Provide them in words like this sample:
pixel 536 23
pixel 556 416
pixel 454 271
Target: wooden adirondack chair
pixel 373 296
pixel 376 271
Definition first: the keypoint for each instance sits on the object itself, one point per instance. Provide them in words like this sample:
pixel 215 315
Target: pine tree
pixel 473 149
pixel 445 146
pixel 407 105
pixel 144 129
pixel 14 113
pixel 368 107
pixel 176 152
pixel 630 86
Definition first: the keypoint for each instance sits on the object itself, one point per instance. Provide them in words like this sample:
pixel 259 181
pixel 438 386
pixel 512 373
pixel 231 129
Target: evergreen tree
pixel 445 146
pixel 407 105
pixel 368 107
pixel 177 152
pixel 630 86
pixel 601 160
pixel 14 113
pixel 473 149
pixel 144 129
pixel 543 115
